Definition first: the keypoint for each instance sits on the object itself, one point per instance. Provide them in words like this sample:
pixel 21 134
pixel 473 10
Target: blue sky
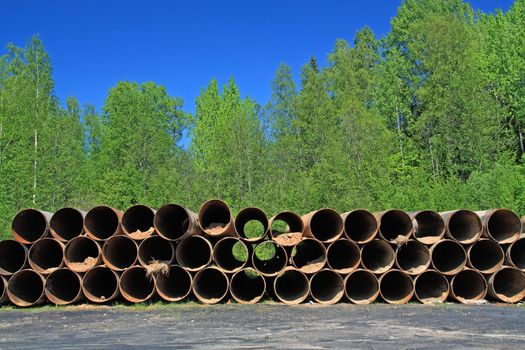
pixel 182 45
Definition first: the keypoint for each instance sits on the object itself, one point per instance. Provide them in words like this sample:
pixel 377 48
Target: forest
pixel 429 116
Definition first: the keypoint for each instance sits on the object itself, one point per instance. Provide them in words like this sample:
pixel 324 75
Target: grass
pixel 240 251
pixel 279 226
pixel 265 251
pixel 253 229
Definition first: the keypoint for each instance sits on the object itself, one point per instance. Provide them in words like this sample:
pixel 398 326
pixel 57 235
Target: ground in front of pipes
pixel 262 326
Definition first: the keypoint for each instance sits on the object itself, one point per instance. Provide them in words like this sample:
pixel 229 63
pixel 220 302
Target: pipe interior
pixel 395 223
pixel 155 249
pixel 396 286
pixel 287 222
pixel 12 256
pixel 230 254
pixel 27 286
pixel 120 251
pixel 377 256
pixel 214 214
pixel 503 225
pixel 485 255
pixel 362 285
pixel 510 283
pixel 81 248
pixel 292 285
pixel 309 252
pixel 464 225
pixel 30 224
pixel 46 253
pixel 431 285
pixel 269 258
pixel 326 285
pixel 326 224
pixel 448 256
pixel 343 254
pixel 67 223
pixel 251 223
pixel 63 284
pixel 430 225
pixel 138 218
pixel 102 222
pixel 517 253
pixel 413 256
pixel 172 221
pixel 469 285
pixel 100 283
pixel 136 283
pixel 210 284
pixel 193 252
pixel 247 285
pixel 360 225
pixel 176 284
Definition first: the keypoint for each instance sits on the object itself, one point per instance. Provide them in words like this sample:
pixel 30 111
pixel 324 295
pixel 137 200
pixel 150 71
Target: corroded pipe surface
pixel 309 255
pixel 174 222
pixel 396 287
pixel 63 287
pixel 291 286
pixel 252 225
pixel 100 284
pixel 448 257
pixel 210 285
pixel 412 257
pixel 343 256
pixel 507 285
pixel 286 228
pixel 468 286
pixel 13 257
pixel 327 287
pixel 46 255
pixel 26 288
pixel 501 225
pixel 193 253
pixel 30 224
pixel 82 253
pixel 361 287
pixel 216 219
pixel 247 286
pixel 136 284
pixel 463 225
pixel 360 225
pixel 431 287
pixel 102 222
pixel 486 256
pixel 395 226
pixel 67 223
pixel 230 254
pixel 429 226
pixel 269 258
pixel 324 224
pixel 174 285
pixel 377 256
pixel 119 252
pixel 137 222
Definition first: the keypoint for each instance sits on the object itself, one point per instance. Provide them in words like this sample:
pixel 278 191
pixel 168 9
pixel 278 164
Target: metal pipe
pixel 343 256
pixel 309 255
pixel 429 226
pixel 174 222
pixel 136 284
pixel 448 257
pixel 26 288
pixel 230 254
pixel 210 285
pixel 412 257
pixel 82 253
pixel 46 255
pixel 361 287
pixel 286 228
pixel 119 252
pixel 30 224
pixel 102 222
pixel 468 286
pixel 174 285
pixel 396 287
pixel 501 225
pixel 247 286
pixel 291 286
pixel 251 224
pixel 327 287
pixel 67 223
pixel 431 287
pixel 377 256
pixel 360 225
pixel 507 285
pixel 3 290
pixel 324 224
pixel 63 287
pixel 462 225
pixel 137 222
pixel 193 253
pixel 515 254
pixel 486 256
pixel 13 257
pixel 395 226
pixel 156 250
pixel 269 258
pixel 100 284
pixel 216 219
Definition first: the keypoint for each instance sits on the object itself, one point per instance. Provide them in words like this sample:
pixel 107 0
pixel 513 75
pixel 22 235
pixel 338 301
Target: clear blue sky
pixel 182 45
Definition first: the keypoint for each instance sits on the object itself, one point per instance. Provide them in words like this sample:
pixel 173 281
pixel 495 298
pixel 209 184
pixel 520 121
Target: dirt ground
pixel 263 326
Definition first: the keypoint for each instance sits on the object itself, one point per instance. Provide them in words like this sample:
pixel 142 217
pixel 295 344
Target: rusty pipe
pixel 309 255
pixel 26 288
pixel 291 286
pixel 429 226
pixel 448 257
pixel 13 257
pixel 396 287
pixel 377 256
pixel 468 286
pixel 412 257
pixel 286 228
pixel 463 225
pixel 174 222
pixel 507 285
pixel 326 287
pixel 102 222
pixel 119 252
pixel 486 256
pixel 324 224
pixel 431 287
pixel 194 253
pixel 210 285
pixel 395 226
pixel 174 285
pixel 63 287
pixel 100 284
pixel 46 255
pixel 247 286
pixel 514 255
pixel 360 225
pixel 137 222
pixel 81 254
pixel 230 254
pixel 361 287
pixel 155 250
pixel 67 223
pixel 251 216
pixel 501 225
pixel 136 284
pixel 3 290
pixel 343 256
pixel 30 224
pixel 216 219
pixel 269 258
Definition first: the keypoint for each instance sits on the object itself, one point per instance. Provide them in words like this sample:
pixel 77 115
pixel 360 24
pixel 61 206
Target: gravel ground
pixel 377 326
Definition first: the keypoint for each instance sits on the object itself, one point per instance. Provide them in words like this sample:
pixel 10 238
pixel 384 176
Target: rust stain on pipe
pixel 63 287
pixel 501 225
pixel 67 223
pixel 514 255
pixel 210 285
pixel 174 222
pixel 468 287
pixel 396 287
pixel 486 256
pixel 360 225
pixel 412 257
pixel 395 226
pixel 309 255
pixel 30 224
pixel 13 257
pixel 286 228
pixel 100 284
pixel 324 224
pixel 137 222
pixel 462 225
pixel 326 287
pixel 3 290
pixel 361 287
pixel 247 286
pixel 291 286
pixel 155 250
pixel 269 258
pixel 429 226
pixel 448 257
pixel 174 285
pixel 82 253
pixel 216 219
pixel 377 256
pixel 245 217
pixel 26 288
pixel 343 256
pixel 46 255
pixel 136 284
pixel 431 287
pixel 119 252
pixel 228 254
pixel 507 285
pixel 102 222
pixel 194 253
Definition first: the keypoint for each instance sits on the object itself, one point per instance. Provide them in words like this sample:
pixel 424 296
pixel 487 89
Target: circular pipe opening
pixel 291 286
pixel 119 252
pixel 377 256
pixel 230 254
pixel 504 226
pixel 172 222
pixel 286 228
pixel 395 226
pixel 210 285
pixel 448 257
pixel 429 227
pixel 516 253
pixel 63 287
pixel 81 254
pixel 25 288
pixel 486 256
pixel 101 222
pixel 100 284
pixel 137 222
pixel 309 255
pixel 251 224
pixel 175 285
pixel 13 257
pixel 29 225
pixel 360 225
pixel 46 255
pixel 343 256
pixel 361 287
pixel 247 286
pixel 193 253
pixel 396 287
pixel 155 250
pixel 214 217
pixel 327 287
pixel 508 285
pixel 66 224
pixel 269 258
pixel 136 285
pixel 326 225
pixel 464 226
pixel 431 287
pixel 413 257
pixel 468 286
